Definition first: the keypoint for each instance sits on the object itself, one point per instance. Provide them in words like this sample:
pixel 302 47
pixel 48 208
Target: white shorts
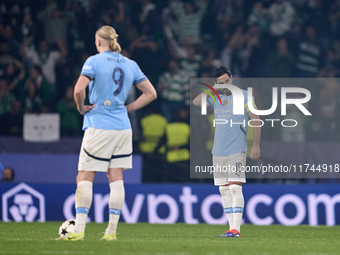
pixel 104 149
pixel 229 168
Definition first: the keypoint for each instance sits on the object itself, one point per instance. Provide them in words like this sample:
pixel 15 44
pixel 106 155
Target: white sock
pixel 238 204
pixel 117 196
pixel 83 204
pixel 227 204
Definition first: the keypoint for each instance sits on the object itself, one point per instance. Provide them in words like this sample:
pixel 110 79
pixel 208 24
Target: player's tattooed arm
pixel 255 150
pixel 148 95
pixel 80 94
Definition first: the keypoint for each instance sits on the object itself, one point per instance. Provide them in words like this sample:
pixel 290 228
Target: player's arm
pixel 148 95
pixel 198 100
pixel 255 150
pixel 80 94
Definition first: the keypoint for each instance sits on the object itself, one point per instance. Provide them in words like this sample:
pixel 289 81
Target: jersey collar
pixel 112 52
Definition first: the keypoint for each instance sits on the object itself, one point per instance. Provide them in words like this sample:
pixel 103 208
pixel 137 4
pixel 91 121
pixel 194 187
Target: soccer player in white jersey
pixel 230 147
pixel 107 142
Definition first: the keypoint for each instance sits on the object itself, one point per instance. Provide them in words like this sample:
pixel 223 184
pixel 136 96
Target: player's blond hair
pixel 109 34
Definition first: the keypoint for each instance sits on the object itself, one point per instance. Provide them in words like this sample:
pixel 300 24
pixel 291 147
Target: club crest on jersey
pixel 107 102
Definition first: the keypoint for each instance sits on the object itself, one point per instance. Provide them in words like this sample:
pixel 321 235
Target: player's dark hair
pixel 219 71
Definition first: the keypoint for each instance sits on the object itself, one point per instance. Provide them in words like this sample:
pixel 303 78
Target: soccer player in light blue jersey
pixel 230 147
pixel 107 142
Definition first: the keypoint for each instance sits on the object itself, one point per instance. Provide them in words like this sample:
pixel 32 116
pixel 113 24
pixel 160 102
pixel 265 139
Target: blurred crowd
pixel 44 43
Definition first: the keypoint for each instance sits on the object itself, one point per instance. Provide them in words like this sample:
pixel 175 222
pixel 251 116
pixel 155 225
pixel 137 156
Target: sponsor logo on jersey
pixel 86 67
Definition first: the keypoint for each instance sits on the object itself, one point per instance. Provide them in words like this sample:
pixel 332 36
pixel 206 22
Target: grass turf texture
pixel 142 238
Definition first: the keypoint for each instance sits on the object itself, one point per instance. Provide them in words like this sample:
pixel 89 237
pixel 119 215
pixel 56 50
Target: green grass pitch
pixel 181 239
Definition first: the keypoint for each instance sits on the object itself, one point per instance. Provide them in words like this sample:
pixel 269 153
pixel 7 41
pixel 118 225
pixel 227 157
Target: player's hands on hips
pixel 86 108
pixel 255 152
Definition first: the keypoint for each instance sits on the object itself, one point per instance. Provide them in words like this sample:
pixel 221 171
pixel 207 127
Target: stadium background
pixel 43 45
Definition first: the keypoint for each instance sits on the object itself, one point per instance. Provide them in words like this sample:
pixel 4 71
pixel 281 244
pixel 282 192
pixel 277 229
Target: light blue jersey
pixel 111 76
pixel 229 139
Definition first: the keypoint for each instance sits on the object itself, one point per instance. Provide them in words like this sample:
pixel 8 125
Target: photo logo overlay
pixel 238 98
pixel 290 119
pixel 208 92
